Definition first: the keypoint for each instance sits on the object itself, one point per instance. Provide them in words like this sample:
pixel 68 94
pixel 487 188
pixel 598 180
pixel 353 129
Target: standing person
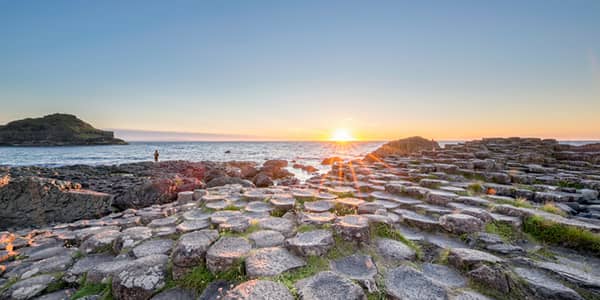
pixel 156 155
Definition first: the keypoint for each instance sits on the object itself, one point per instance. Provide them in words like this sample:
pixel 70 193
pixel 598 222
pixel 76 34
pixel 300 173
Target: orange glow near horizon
pixel 342 135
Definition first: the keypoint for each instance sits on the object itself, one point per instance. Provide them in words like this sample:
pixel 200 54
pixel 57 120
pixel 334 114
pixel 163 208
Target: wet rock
pixel 271 262
pixel 316 242
pixel 406 282
pixel 461 223
pixel 259 289
pixel 329 285
pixel 141 278
pixel 153 247
pixel 226 252
pixel 191 248
pixel 266 238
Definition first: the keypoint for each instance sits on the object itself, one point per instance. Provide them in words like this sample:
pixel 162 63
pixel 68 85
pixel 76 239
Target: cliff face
pixel 54 130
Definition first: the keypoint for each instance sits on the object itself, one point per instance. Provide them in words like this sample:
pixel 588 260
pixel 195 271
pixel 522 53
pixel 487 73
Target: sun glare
pixel 342 135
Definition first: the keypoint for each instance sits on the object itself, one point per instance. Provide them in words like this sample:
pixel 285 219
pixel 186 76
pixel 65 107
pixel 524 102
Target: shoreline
pixel 514 208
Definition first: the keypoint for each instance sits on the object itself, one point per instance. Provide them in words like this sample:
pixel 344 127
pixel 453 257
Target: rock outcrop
pixel 32 201
pixel 403 147
pixel 54 130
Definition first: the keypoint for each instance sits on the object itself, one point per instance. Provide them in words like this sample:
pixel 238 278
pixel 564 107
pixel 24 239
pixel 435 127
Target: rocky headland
pixel 515 218
pixel 54 130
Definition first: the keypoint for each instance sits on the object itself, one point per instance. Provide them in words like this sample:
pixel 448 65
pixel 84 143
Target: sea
pixel 306 153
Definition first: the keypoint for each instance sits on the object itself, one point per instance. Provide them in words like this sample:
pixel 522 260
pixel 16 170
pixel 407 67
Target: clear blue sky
pixel 300 69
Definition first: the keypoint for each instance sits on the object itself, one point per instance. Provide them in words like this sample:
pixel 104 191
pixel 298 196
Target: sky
pixel 300 70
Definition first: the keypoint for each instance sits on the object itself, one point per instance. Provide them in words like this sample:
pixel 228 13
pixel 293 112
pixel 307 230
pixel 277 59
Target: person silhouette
pixel 156 155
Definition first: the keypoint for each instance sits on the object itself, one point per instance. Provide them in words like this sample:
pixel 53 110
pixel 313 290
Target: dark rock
pixel 403 147
pixel 224 180
pixel 33 201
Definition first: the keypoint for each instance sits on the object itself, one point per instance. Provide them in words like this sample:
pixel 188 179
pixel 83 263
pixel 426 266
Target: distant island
pixel 55 130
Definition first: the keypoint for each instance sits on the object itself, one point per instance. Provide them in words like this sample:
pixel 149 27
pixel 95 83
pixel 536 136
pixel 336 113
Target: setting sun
pixel 342 135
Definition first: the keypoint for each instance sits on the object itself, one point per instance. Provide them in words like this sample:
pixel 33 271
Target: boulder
pixel 34 201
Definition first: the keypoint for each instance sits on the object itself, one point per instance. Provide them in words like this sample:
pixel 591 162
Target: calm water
pixel 310 153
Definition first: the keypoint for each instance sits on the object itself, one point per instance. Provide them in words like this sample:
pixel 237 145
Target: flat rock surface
pixel 152 247
pixel 259 290
pixel 355 267
pixel 407 283
pixel 316 242
pixel 226 252
pixel 271 262
pixel 329 285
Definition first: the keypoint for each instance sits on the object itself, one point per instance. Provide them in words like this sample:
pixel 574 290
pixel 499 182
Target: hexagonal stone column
pixel 226 252
pixel 141 279
pixel 353 228
pixel 271 262
pixel 190 250
pixel 406 282
pixel 316 242
pixel 331 286
pixel 460 223
pixel 259 289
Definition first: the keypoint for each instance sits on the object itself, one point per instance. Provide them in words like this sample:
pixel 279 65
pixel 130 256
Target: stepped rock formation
pixel 54 130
